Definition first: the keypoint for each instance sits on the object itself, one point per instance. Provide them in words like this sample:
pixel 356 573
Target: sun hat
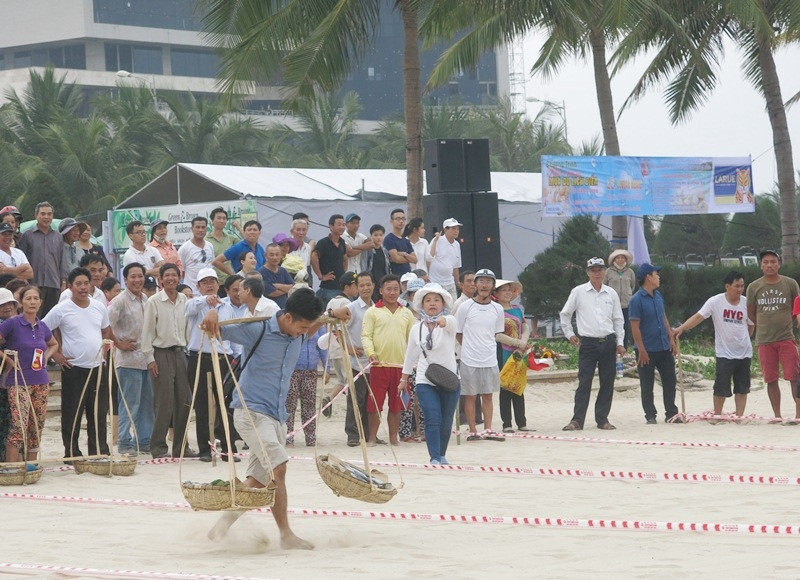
pixel 66 225
pixel 435 288
pixel 514 284
pixel 6 296
pixel 621 252
pixel 284 239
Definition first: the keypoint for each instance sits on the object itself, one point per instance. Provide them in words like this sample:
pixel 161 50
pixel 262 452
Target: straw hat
pixel 620 252
pixel 515 285
pixel 432 287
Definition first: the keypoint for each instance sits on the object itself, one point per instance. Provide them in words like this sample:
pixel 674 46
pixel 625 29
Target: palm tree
pixel 312 45
pixel 573 28
pixel 690 63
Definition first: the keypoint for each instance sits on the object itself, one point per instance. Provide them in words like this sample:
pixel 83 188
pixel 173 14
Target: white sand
pixel 40 532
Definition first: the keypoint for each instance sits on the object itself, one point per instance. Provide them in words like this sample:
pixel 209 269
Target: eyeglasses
pixel 399 219
pixel 139 232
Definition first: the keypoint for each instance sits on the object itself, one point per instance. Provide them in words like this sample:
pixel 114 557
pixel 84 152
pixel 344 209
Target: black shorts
pixel 737 369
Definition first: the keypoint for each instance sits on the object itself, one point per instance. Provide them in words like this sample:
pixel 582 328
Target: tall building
pixel 159 43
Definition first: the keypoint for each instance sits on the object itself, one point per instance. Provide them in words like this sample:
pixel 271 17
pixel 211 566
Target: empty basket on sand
pixel 347 480
pixel 19 476
pixel 106 466
pixel 218 496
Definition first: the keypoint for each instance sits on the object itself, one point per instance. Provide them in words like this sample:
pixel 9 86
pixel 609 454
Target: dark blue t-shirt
pixel 392 242
pixel 271 278
pixel 649 311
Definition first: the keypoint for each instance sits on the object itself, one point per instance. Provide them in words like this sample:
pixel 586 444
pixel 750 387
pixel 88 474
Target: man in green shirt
pixel 219 238
pixel 769 305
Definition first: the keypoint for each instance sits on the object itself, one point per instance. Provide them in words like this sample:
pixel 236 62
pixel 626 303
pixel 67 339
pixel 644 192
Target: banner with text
pixel 180 218
pixel 638 186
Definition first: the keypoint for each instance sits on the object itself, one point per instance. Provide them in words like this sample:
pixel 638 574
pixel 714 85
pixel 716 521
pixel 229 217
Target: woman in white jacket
pixel 436 334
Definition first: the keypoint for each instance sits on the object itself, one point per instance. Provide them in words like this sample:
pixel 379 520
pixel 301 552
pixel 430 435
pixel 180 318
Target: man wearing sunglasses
pixel 196 254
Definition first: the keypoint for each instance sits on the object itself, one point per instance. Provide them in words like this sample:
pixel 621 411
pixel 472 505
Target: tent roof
pixel 207 183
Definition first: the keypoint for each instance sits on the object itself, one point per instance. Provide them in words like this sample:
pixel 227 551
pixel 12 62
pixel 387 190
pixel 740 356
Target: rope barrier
pixel 543 522
pixel 107 572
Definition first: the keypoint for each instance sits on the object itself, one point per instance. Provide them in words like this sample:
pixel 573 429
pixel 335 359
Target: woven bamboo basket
pixel 116 466
pixel 21 477
pixel 337 475
pixel 209 497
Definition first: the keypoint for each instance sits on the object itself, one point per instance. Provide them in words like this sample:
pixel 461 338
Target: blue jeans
pixel 439 407
pixel 136 388
pixel 325 294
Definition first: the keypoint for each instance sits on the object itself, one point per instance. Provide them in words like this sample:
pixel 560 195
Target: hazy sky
pixel 732 123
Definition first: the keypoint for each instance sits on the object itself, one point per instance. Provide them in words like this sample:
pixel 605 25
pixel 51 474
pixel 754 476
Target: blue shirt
pixel 392 242
pixel 271 278
pixel 232 254
pixel 265 379
pixel 311 353
pixel 649 311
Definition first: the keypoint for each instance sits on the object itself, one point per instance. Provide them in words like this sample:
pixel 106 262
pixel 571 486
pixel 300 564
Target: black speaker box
pixel 479 236
pixel 444 165
pixel 477 175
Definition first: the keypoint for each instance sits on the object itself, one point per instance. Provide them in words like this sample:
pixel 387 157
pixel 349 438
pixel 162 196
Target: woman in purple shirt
pixel 28 386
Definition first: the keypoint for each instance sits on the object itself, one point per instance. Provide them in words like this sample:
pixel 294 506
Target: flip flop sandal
pixel 572 426
pixel 606 427
pixel 493 436
pixel 474 437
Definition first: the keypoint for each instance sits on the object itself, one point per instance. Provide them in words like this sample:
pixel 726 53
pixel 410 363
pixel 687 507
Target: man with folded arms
pixel 601 327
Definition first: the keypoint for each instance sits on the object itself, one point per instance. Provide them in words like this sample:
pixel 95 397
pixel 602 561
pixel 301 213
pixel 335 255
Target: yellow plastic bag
pixel 514 375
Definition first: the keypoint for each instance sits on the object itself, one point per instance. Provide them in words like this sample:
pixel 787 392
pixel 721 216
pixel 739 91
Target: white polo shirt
pixel 448 257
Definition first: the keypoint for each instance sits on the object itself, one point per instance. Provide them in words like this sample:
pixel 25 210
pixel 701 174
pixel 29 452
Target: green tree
pixel 758 230
pixel 680 235
pixel 551 276
pixel 312 45
pixel 687 38
pixel 572 29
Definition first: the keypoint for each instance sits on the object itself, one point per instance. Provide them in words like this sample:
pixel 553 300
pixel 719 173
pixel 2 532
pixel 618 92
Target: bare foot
pixel 371 444
pixel 226 520
pixel 291 542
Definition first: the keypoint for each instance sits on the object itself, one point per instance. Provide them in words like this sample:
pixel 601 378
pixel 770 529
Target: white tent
pixel 371 193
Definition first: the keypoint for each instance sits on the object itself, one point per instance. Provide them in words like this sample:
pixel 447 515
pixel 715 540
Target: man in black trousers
pixel 601 328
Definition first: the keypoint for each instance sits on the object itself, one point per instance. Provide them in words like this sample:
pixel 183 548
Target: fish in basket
pixel 347 480
pixel 106 466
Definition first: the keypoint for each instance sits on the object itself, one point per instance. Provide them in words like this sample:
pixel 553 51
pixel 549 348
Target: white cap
pixel 408 276
pixel 207 273
pixel 451 223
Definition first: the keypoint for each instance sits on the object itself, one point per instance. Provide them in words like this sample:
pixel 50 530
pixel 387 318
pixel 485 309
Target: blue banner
pixel 638 186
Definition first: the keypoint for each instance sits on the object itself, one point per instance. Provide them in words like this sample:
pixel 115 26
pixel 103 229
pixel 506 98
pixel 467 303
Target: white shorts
pixel 478 380
pixel 262 434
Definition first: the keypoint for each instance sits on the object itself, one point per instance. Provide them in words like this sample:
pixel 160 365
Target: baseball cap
pixel 11 209
pixel 346 279
pixel 150 282
pixel 352 216
pixel 4 227
pixel 485 273
pixel 451 223
pixel 6 296
pixel 207 273
pixel 415 285
pixel 645 270
pixel 595 263
pixel 763 253
pixel 407 277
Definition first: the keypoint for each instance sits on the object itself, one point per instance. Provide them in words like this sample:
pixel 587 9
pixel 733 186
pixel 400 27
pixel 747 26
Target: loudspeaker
pixel 479 236
pixel 444 165
pixel 477 175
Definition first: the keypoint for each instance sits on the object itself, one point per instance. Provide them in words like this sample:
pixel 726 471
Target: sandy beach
pixel 155 538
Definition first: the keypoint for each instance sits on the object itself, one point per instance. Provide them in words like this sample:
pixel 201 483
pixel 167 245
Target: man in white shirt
pixel 602 333
pixel 480 323
pixel 80 325
pixel 732 332
pixel 252 295
pixel 354 314
pixel 96 264
pixel 141 252
pixel 200 355
pixel 196 254
pixel 444 256
pixel 357 244
pixel 12 260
